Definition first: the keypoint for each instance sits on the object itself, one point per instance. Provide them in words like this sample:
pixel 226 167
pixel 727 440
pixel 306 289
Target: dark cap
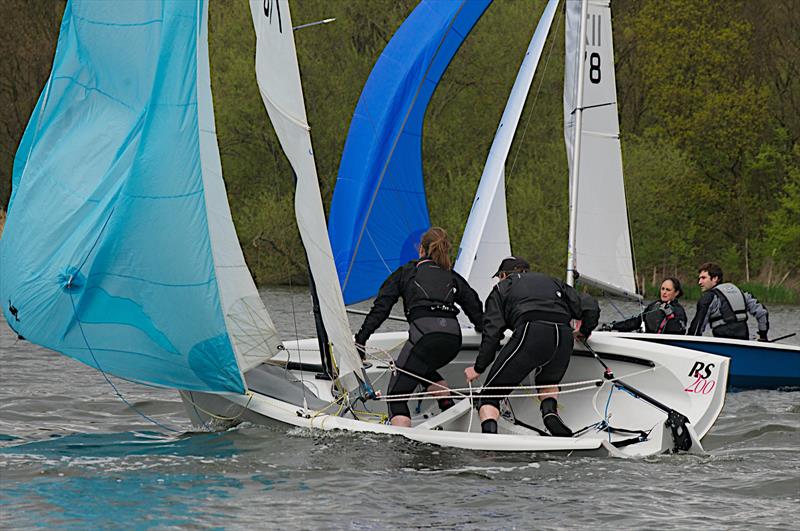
pixel 508 265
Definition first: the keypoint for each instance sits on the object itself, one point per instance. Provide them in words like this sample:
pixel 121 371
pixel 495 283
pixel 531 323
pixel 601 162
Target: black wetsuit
pixel 659 318
pixel 539 309
pixel 429 296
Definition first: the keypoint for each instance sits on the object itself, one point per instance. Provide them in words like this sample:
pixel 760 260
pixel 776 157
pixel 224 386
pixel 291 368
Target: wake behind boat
pixel 120 251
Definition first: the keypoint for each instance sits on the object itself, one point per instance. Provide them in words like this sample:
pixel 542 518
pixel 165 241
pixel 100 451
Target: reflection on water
pixel 72 455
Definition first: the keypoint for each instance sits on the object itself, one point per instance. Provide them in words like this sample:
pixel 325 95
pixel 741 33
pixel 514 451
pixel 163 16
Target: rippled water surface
pixel 74 455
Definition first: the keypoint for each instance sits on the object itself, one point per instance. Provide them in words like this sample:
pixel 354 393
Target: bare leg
pixel 549 392
pixel 488 415
pixel 401 421
pixel 439 389
pixel 488 412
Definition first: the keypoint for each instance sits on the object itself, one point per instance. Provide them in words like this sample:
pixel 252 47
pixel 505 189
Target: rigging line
pixel 96 241
pixel 536 97
pixel 197 412
pixel 114 387
pixel 395 142
pixel 471 408
pixel 611 302
pixel 218 417
pixel 414 396
pixel 297 341
pixel 595 106
pixel 605 416
pixel 380 255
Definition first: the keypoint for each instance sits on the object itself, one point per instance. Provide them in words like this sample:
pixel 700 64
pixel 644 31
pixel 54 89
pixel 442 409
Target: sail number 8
pixel 594 68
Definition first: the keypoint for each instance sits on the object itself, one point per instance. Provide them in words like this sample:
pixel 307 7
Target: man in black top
pixel 539 309
pixel 725 307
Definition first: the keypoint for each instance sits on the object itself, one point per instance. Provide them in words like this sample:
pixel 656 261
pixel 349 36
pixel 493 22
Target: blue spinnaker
pixel 106 255
pixel 379 209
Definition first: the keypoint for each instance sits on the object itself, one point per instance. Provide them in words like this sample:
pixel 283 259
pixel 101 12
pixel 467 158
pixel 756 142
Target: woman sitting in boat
pixel 430 290
pixel 664 316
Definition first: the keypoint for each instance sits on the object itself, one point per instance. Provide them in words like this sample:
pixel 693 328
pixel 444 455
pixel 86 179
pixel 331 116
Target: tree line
pixel 709 102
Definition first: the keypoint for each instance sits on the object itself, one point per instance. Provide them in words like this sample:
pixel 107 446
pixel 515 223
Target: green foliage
pixel 764 294
pixel 783 231
pixel 709 98
pixel 30 30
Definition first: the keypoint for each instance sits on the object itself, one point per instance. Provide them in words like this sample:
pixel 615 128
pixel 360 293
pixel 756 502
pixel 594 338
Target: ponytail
pixel 436 245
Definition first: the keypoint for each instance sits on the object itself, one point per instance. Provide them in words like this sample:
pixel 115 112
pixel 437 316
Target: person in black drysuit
pixel 430 290
pixel 539 309
pixel 664 316
pixel 725 307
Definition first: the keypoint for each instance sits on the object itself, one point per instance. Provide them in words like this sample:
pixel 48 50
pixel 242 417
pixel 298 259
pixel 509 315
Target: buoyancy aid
pixel 732 307
pixel 538 296
pixel 656 316
pixel 430 289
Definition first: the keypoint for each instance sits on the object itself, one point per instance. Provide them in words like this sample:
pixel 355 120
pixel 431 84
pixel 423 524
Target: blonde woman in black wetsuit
pixel 430 289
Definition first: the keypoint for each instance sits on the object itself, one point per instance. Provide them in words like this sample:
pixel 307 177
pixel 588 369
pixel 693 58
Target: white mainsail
pixel 250 328
pixel 602 245
pixel 485 241
pixel 278 76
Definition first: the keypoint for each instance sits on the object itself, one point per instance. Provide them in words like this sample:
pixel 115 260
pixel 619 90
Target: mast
pixel 576 151
pixel 322 334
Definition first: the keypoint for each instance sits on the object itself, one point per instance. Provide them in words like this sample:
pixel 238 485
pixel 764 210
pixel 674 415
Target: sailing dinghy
pixel 119 251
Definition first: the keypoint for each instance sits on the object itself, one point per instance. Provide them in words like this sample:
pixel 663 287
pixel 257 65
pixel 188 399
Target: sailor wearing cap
pixel 538 308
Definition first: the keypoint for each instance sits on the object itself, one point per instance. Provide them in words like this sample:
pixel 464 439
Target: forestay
pixel 486 241
pixel 278 78
pixel 379 209
pixel 603 245
pixel 119 249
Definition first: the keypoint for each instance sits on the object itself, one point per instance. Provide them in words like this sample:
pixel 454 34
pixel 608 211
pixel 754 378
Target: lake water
pixel 73 455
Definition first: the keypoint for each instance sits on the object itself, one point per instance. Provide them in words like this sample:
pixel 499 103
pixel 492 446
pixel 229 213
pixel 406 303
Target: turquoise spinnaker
pixel 109 253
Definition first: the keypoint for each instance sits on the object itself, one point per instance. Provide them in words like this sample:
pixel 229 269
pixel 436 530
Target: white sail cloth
pixel 603 254
pixel 485 241
pixel 278 78
pixel 252 332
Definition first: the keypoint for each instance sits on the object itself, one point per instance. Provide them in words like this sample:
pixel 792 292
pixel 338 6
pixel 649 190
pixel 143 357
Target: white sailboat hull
pixel 661 371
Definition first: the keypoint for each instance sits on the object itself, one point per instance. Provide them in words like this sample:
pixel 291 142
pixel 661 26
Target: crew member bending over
pixel 430 290
pixel 539 309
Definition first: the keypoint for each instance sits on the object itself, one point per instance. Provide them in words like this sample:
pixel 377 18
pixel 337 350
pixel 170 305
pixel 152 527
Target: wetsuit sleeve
pixel 574 301
pixel 468 299
pixel 590 314
pixel 387 297
pixel 759 311
pixel 494 325
pixel 698 325
pixel 628 325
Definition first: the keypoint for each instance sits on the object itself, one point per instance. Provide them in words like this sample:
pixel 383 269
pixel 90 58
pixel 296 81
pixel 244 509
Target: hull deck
pixel 293 394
